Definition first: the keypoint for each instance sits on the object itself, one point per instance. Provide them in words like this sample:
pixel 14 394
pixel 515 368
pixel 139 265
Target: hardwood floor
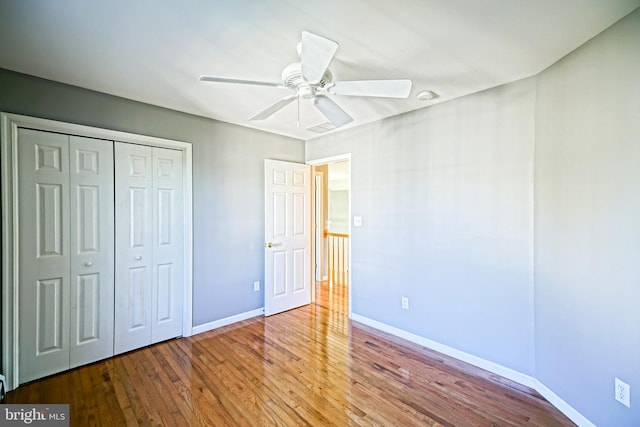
pixel 309 366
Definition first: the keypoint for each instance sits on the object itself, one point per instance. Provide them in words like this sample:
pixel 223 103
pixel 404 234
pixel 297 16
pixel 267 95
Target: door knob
pixel 88 263
pixel 138 258
pixel 269 245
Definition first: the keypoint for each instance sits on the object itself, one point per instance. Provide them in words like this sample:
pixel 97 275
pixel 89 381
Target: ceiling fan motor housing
pixel 293 79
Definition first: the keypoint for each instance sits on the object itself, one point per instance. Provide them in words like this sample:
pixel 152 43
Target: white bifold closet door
pixel 149 245
pixel 65 228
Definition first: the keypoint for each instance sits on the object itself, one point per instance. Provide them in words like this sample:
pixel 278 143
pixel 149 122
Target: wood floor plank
pixel 310 366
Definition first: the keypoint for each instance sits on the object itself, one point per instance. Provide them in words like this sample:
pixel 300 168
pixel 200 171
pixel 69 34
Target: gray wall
pixel 228 165
pixel 511 219
pixel 587 225
pixel 445 195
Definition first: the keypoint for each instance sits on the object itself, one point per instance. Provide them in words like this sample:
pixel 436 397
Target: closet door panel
pixel 168 246
pixel 92 246
pixel 134 246
pixel 44 273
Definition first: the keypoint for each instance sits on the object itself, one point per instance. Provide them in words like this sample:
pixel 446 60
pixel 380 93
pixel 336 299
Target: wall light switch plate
pixel 357 221
pixel 256 286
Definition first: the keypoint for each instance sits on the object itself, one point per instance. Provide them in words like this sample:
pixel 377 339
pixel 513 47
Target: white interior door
pixel 134 246
pixel 168 245
pixel 44 266
pixel 91 235
pixel 66 259
pixel 287 236
pixel 149 245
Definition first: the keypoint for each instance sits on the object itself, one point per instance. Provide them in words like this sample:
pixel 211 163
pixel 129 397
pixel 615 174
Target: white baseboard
pixel 227 321
pixel 503 371
pixel 563 406
pixel 487 365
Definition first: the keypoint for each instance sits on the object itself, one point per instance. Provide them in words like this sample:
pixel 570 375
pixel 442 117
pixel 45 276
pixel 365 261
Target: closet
pixel 101 249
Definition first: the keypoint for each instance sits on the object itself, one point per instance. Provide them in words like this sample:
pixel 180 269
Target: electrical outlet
pixel 256 286
pixel 623 393
pixel 405 303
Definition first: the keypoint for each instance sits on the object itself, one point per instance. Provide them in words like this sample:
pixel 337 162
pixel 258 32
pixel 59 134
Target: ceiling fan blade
pixel 273 108
pixel 332 111
pixel 239 81
pixel 315 55
pixel 378 88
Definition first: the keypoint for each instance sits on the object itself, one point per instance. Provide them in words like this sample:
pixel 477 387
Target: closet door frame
pixel 9 195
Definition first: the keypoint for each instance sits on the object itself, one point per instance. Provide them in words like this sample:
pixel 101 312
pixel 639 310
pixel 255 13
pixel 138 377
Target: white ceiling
pixel 154 50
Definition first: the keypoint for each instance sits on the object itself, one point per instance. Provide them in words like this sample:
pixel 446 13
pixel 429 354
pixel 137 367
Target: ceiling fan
pixel 311 79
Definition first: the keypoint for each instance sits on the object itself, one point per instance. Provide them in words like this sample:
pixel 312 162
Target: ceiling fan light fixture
pixel 306 92
pixel 426 95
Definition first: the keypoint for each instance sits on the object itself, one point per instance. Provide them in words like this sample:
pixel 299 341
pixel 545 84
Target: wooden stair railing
pixel 338 258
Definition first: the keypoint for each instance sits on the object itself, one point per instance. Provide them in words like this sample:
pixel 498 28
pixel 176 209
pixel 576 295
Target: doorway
pixel 332 229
